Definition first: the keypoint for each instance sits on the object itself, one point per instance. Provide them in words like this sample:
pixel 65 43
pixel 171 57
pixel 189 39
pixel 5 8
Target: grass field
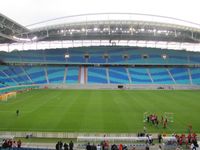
pixel 101 111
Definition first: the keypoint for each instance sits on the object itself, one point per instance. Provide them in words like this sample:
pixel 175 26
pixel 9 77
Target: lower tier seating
pixel 20 75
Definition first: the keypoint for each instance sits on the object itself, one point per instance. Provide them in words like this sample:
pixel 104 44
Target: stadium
pixel 100 77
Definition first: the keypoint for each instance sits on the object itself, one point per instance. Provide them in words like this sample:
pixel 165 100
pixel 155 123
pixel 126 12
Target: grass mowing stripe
pixel 98 110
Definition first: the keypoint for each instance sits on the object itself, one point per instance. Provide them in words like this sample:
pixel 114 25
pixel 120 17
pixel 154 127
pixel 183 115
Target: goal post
pixel 3 97
pixel 145 116
pixel 6 96
pixel 169 116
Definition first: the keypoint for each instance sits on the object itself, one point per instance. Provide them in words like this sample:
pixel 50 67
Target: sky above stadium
pixel 27 12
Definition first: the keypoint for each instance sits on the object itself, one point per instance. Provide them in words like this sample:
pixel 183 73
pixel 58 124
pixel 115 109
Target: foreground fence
pixel 62 134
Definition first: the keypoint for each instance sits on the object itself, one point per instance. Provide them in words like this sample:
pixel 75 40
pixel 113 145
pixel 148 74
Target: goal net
pixel 6 96
pixel 146 114
pixel 169 116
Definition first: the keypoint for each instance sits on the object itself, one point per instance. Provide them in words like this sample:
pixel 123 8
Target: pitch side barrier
pixel 3 137
pixel 40 134
pixel 121 86
pixel 169 143
pixel 101 86
pixel 111 139
pixel 17 88
pixel 138 143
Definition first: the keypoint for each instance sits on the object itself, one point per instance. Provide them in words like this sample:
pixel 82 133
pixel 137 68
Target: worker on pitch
pixel 17 112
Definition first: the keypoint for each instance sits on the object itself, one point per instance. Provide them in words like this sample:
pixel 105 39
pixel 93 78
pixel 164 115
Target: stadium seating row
pixel 18 75
pixel 103 55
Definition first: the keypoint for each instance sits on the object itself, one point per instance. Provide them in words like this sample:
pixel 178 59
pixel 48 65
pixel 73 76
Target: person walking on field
pixel 17 112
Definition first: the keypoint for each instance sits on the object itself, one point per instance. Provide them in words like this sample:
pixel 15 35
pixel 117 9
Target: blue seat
pixel 37 74
pixel 180 75
pixel 97 75
pixel 139 76
pixel 118 75
pixel 72 75
pixel 160 76
pixel 55 74
pixel 195 74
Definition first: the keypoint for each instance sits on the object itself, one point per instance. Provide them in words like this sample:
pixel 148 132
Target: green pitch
pixel 101 111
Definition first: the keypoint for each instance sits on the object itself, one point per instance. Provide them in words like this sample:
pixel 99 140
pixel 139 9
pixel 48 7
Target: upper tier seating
pixel 114 55
pixel 31 56
pixel 10 57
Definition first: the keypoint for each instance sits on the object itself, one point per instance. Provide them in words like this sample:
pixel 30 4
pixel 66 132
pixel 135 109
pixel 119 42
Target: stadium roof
pixel 37 24
pixel 104 26
pixel 8 28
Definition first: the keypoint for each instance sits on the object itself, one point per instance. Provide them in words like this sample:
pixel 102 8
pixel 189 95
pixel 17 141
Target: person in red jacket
pixel 120 147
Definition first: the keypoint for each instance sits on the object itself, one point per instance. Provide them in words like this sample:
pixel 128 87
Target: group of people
pixel 93 147
pixel 190 139
pixel 8 143
pixel 105 146
pixel 153 118
pixel 119 147
pixel 60 145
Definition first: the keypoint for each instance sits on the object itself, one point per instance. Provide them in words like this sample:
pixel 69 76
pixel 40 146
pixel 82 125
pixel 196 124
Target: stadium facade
pixel 101 52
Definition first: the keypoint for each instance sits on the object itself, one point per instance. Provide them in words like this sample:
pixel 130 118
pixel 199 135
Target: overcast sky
pixel 28 12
